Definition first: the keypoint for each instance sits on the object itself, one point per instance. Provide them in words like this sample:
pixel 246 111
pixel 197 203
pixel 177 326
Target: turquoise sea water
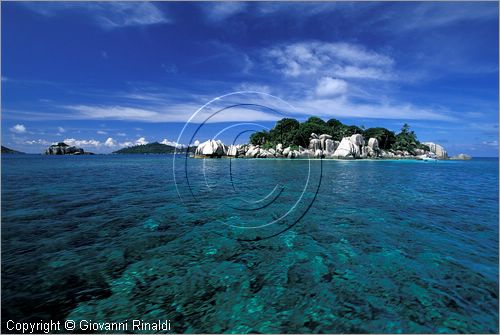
pixel 269 246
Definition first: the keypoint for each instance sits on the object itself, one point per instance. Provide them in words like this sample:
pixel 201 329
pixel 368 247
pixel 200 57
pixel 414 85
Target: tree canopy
pixel 407 140
pixel 385 137
pixel 291 132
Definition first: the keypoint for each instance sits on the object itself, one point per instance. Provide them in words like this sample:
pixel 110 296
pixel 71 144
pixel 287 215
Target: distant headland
pixel 151 148
pixel 6 150
pixel 332 139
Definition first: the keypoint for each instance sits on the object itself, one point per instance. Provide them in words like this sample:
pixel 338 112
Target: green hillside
pixel 150 148
pixel 6 150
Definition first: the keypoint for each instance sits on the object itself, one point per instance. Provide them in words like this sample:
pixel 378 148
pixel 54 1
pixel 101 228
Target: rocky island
pixel 62 148
pixel 330 140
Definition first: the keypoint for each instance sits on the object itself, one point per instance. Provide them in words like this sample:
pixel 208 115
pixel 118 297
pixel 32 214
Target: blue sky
pixel 107 75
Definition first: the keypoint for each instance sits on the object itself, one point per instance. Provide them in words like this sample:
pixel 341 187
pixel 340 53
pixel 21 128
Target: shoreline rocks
pixel 211 148
pixel 345 149
pixel 437 150
pixel 321 146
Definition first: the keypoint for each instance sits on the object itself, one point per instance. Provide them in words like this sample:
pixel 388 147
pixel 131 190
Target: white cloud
pixel 61 129
pixel 319 94
pixel 427 15
pixel 167 113
pixel 110 142
pixel 196 143
pixel 335 59
pixel 342 107
pixel 491 143
pixel 37 142
pixel 82 143
pixel 219 11
pixel 329 87
pixel 18 129
pixel 141 141
pixel 107 15
pixel 115 112
pixel 121 134
pixel 253 88
pixel 172 143
pixel 127 144
pixel 325 104
pixel 420 15
pixel 363 72
pixel 101 132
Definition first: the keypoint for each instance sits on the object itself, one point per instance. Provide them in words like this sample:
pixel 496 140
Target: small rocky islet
pixel 315 138
pixel 321 146
pixel 62 148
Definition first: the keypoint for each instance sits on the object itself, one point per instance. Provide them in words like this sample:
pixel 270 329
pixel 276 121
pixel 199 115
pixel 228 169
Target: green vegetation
pixel 6 150
pixel 386 138
pixel 407 140
pixel 291 132
pixel 150 148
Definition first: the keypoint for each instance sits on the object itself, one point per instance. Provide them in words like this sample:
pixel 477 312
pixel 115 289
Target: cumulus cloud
pixel 37 142
pixel 329 87
pixel 61 129
pixel 196 143
pixel 344 60
pixel 82 143
pixel 92 143
pixel 139 141
pixel 18 129
pixel 101 132
pixel 173 143
pixel 127 144
pixel 110 142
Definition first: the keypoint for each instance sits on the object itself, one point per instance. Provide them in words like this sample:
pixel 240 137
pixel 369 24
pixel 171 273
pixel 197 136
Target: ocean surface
pixel 261 246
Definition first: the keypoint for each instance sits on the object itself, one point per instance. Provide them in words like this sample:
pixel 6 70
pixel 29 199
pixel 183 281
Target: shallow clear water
pixel 357 246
